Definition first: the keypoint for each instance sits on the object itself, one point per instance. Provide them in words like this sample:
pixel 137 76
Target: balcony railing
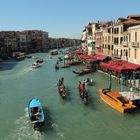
pixel 124 43
pixel 135 44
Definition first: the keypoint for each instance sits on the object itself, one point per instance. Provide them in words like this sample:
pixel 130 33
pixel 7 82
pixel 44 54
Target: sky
pixel 62 18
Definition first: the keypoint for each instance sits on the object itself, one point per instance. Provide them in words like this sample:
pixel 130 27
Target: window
pixel 126 53
pixel 129 37
pixel 121 29
pixel 129 52
pixel 135 53
pixel 116 41
pixel 121 52
pixel 117 30
pixel 112 47
pixel 126 38
pixel 108 47
pixel 121 40
pixel 135 36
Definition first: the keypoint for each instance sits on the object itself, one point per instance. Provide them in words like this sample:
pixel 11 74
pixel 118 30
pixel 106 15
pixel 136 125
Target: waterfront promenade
pixel 67 119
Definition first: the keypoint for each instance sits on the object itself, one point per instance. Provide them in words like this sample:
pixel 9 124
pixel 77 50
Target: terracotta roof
pixel 131 16
pixel 128 22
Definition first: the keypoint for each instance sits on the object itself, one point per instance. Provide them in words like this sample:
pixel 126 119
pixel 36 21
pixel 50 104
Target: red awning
pixel 119 65
pixel 85 56
pixel 100 57
pixel 93 57
pixel 133 66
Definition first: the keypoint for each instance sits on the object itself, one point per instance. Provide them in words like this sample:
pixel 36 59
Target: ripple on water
pixel 23 130
pixel 17 74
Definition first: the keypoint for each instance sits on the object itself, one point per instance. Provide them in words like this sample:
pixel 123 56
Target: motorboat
pixel 116 100
pixel 36 113
pixel 35 65
pixel 54 52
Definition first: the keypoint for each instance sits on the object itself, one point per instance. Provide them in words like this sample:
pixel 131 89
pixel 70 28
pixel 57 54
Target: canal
pixel 66 119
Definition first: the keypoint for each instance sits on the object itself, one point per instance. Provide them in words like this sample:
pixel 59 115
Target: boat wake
pixel 23 130
pixel 16 75
pixel 58 133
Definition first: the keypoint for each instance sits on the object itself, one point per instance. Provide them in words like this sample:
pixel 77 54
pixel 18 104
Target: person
pixel 88 80
pixel 81 86
pixel 62 80
pixel 59 82
pixel 85 94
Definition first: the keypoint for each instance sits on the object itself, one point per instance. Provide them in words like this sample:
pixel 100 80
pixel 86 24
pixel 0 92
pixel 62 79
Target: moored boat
pixel 133 96
pixel 82 72
pixel 65 66
pixel 116 100
pixel 75 62
pixel 36 113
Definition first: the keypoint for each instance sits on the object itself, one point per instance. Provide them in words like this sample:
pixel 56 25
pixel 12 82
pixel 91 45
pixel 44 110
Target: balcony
pixel 125 44
pixel 135 44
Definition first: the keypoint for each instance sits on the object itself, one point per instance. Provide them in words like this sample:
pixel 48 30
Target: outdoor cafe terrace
pixel 113 64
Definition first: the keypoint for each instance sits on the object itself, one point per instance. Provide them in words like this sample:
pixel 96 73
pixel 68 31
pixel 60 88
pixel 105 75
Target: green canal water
pixel 66 119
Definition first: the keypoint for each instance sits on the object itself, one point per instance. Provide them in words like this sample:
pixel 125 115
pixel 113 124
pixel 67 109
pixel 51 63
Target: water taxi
pixel 133 96
pixel 116 100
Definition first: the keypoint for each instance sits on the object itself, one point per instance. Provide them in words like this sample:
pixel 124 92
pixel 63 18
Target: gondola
pixel 82 72
pixel 83 93
pixel 65 66
pixel 56 66
pixel 75 62
pixel 36 113
pixel 62 90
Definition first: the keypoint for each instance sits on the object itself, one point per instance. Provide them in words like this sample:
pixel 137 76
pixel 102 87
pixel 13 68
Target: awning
pixel 119 65
pixel 93 57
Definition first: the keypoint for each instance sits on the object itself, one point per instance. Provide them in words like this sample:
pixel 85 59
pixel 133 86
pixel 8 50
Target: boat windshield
pixel 122 99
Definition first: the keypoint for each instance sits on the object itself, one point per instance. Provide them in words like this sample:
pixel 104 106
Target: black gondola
pixel 56 66
pixel 82 72
pixel 83 92
pixel 62 90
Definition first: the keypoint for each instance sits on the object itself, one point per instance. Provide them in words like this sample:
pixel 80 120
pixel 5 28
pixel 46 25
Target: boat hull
pixel 62 91
pixel 118 102
pixel 36 113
